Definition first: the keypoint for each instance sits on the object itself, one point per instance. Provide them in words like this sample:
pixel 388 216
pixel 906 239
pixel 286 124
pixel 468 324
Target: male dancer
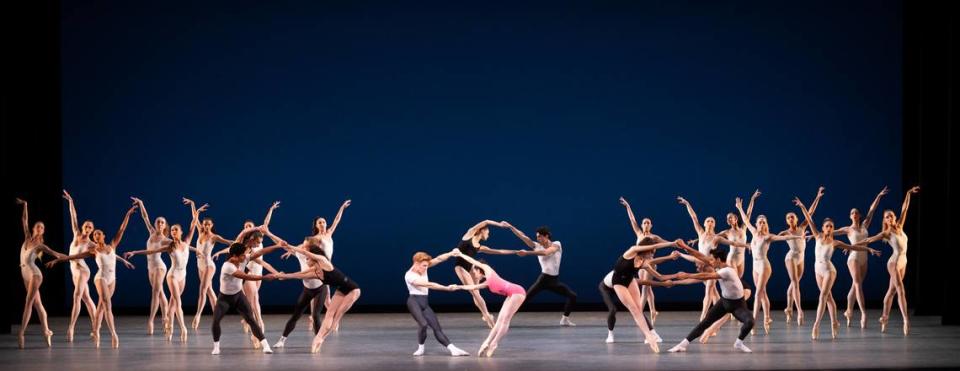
pixel 548 252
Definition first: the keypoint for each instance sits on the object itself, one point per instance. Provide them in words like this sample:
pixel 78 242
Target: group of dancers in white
pixel 631 280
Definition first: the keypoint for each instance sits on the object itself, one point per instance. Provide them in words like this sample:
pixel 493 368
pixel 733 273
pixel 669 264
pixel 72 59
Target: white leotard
pixel 178 261
pixel 254 267
pixel 737 254
pixel 326 243
pixel 705 247
pixel 898 242
pixel 204 251
pixel 798 246
pixel 549 264
pixel 855 235
pixel 28 257
pixel 310 283
pixel 823 254
pixel 107 262
pixel 155 261
pixel 759 247
pixel 79 265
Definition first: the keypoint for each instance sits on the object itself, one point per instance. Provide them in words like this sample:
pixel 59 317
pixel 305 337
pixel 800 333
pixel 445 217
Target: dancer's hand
pixel 683 201
pixel 873 252
pixel 522 252
pixel 452 287
pixel 624 202
pixel 276 204
pixel 884 191
pixel 187 201
pixel 820 190
pixel 66 195
pixel 683 275
pixel 691 242
pixel 668 283
pixel 797 202
pixel 53 262
pixel 136 201
pixel 915 189
pixel 755 194
pixel 505 224
pixel 674 255
pixel 346 204
pixel 128 254
pixel 133 209
pixel 455 253
pixel 269 277
pixel 21 201
pixel 738 202
pixel 287 254
pixel 129 265
pixel 203 208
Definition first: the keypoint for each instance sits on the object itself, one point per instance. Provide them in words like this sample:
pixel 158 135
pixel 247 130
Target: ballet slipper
pixel 835 329
pixel 183 334
pixel 815 334
pixel 150 327
pixel 115 342
pixel 490 350
pixel 849 315
pixel 883 324
pixel 315 347
pixel 70 335
pixel 49 337
pixel 906 327
pixel 863 321
pixel 21 340
pixel 196 323
pixel 789 314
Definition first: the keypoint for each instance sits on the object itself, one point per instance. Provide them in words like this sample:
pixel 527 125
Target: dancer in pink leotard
pixel 514 293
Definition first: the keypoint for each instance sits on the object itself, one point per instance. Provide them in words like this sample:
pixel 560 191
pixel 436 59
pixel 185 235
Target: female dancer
pixel 736 232
pixel 252 288
pixel 645 229
pixel 31 250
pixel 156 268
pixel 762 270
pixel 607 292
pixel 106 257
pixel 324 237
pixel 470 246
pixel 857 261
pixel 179 249
pixel 79 271
pixel 795 258
pixel 707 240
pixel 514 293
pixel 894 236
pixel 419 285
pixel 826 272
pixel 206 269
pixel 347 291
pixel 231 296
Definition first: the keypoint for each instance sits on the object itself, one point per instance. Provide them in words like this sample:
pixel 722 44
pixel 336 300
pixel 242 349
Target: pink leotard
pixel 500 286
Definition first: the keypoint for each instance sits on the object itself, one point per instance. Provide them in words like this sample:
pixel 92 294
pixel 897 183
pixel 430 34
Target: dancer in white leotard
pixel 30 251
pixel 794 260
pixel 707 241
pixel 644 230
pixel 824 269
pixel 857 261
pixel 736 257
pixel 156 268
pixel 79 271
pixel 894 236
pixel 106 278
pixel 759 246
pixel 206 268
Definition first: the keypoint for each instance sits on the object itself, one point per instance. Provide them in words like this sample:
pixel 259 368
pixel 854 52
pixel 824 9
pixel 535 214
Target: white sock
pixel 456 352
pixel 682 347
pixel 419 351
pixel 741 347
pixel 265 346
pixel 216 348
pixel 280 343
pixel 565 321
pixel 609 337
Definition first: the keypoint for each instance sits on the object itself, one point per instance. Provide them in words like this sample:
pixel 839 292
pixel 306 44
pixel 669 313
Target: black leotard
pixel 624 272
pixel 466 247
pixel 336 278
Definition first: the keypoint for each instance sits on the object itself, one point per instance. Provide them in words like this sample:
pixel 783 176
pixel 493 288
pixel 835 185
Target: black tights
pixel 423 314
pixel 608 294
pixel 721 308
pixel 315 296
pixel 224 304
pixel 552 283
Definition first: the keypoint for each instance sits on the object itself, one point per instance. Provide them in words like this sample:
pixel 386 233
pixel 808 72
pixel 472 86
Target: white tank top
pixel 107 262
pixel 310 283
pixel 549 264
pixel 730 285
pixel 412 277
pixel 824 252
pixel 229 285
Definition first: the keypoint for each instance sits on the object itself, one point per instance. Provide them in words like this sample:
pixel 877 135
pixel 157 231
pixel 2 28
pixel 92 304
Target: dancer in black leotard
pixel 608 293
pixel 470 245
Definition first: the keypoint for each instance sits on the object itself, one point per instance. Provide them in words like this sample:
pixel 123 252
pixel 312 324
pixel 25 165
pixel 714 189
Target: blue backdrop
pixel 433 116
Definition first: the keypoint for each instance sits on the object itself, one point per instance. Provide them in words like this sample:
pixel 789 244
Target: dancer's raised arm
pixel 873 208
pixel 25 219
pixel 144 215
pixel 195 216
pixel 746 216
pixel 753 199
pixel 123 227
pixel 813 206
pixel 473 230
pixel 906 206
pixel 274 206
pixel 692 252
pixel 640 249
pixel 806 215
pixel 523 237
pixel 693 215
pixel 336 219
pixel 321 260
pixel 633 220
pixel 73 213
pixel 264 251
pixel 440 258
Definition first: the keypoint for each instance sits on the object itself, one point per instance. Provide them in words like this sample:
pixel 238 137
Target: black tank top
pixel 467 248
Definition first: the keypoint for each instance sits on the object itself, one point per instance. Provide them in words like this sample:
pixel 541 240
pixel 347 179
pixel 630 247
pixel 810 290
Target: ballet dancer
pixel 105 254
pixel 419 285
pixel 736 232
pixel 323 236
pixel 759 245
pixel 347 291
pixel 156 268
pixel 894 236
pixel 231 296
pixel 490 280
pixel 645 229
pixel 470 245
pixel 206 269
pixel 179 249
pixel 549 253
pixel 857 261
pixel 707 240
pixel 30 251
pixel 794 260
pixel 625 272
pixel 824 269
pixel 732 298
pixel 79 271
pixel 607 293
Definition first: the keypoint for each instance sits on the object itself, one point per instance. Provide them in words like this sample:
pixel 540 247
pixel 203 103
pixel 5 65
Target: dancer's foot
pixel 96 340
pixel 419 351
pixel 196 322
pixel 70 335
pixel 906 327
pixel 849 315
pixel 489 320
pixel 315 347
pixel 863 320
pixel 455 352
pixel 256 342
pixel 799 318
pixel 738 345
pixel 490 350
pixel 653 317
pixel 682 347
pixel 815 334
pixel 280 343
pixel 609 337
pixel 150 327
pixel 883 323
pixel 114 341
pixel 183 334
pixel 265 346
pixel 654 346
pixel 216 348
pixel 21 340
pixel 789 314
pixel 483 349
pixel 49 337
pixel 835 329
pixel 565 321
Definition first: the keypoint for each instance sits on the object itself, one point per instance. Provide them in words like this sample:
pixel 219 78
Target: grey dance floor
pixel 386 341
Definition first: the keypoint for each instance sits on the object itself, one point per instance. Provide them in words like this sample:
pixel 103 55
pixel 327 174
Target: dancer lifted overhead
pixel 30 251
pixel 549 253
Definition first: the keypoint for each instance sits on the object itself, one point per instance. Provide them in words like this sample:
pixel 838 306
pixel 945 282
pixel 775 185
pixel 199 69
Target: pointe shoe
pixel 169 336
pixel 863 321
pixel 705 338
pixel 21 340
pixel 489 320
pixel 653 317
pixel 246 327
pixel 115 342
pixel 256 343
pixel 315 347
pixel 835 329
pixel 70 335
pixel 815 334
pixel 49 337
pixel 150 328
pixel 849 315
pixel 789 315
pixel 490 350
pixel 96 341
pixel 906 327
pixel 183 335
pixel 799 318
pixel 766 327
pixel 196 323
pixel 654 347
pixel 883 324
pixel 483 349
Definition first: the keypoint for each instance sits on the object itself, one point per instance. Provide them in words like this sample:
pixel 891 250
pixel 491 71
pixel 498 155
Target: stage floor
pixel 386 341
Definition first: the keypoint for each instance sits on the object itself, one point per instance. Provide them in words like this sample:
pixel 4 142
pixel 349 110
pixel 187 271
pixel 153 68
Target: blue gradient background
pixel 433 116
